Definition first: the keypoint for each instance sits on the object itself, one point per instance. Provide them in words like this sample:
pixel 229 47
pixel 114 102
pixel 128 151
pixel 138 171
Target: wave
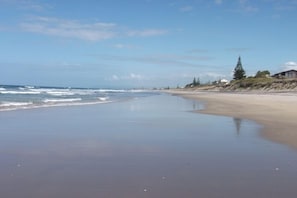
pixel 63 92
pixel 61 100
pixel 27 90
pixel 53 92
pixel 60 93
pixel 25 87
pixel 120 90
pixel 15 104
pixel 29 87
pixel 103 98
pixel 82 92
pixel 19 92
pixel 28 97
pixel 9 106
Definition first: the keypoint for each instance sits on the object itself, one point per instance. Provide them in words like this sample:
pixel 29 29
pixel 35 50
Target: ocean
pixel 14 97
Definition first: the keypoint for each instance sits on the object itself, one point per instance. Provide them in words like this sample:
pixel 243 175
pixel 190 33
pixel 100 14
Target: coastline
pixel 276 112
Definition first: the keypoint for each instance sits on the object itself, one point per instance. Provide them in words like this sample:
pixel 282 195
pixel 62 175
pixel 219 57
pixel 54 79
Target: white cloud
pixel 218 2
pixel 288 5
pixel 115 77
pixel 131 76
pixel 172 60
pixel 27 5
pixel 135 76
pixel 186 8
pixel 124 46
pixel 246 6
pixel 290 65
pixel 146 32
pixel 119 46
pixel 84 31
pixel 70 28
pixel 204 77
pixel 30 5
pixel 214 75
pixel 238 49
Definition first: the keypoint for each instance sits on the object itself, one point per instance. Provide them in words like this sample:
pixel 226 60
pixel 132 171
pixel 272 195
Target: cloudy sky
pixel 142 43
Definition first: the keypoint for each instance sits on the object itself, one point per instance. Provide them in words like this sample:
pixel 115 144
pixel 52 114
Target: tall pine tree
pixel 239 72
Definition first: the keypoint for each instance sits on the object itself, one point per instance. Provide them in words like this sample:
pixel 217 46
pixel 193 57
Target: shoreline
pixel 276 112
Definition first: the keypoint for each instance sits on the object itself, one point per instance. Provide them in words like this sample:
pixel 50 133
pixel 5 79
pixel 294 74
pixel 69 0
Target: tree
pixel 239 72
pixel 198 82
pixel 194 82
pixel 262 74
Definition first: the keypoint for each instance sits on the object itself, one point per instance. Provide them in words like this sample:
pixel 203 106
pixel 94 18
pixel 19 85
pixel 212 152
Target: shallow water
pixel 148 147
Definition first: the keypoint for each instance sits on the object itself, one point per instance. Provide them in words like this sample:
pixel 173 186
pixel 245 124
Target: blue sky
pixel 142 43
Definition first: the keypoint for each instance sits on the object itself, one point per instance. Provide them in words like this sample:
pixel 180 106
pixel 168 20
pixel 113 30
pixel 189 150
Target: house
pixel 224 81
pixel 286 74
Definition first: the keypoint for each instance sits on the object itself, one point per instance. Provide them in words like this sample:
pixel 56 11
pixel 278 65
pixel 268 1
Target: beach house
pixel 286 74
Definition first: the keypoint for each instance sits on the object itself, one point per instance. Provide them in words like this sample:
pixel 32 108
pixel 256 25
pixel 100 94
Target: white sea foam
pixel 43 90
pixel 20 92
pixel 38 97
pixel 29 87
pixel 103 98
pixel 61 100
pixel 64 92
pixel 60 93
pixel 84 92
pixel 111 90
pixel 69 104
pixel 26 88
pixel 53 92
pixel 121 90
pixel 15 104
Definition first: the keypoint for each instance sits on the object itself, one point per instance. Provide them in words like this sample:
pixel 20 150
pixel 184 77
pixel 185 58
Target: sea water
pixel 26 97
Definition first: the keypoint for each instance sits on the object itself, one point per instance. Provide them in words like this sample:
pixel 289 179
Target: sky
pixel 143 43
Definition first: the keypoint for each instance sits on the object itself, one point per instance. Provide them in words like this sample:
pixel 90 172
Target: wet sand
pixel 150 147
pixel 277 112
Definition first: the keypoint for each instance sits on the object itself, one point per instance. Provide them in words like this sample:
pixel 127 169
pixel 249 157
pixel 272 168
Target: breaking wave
pixel 26 97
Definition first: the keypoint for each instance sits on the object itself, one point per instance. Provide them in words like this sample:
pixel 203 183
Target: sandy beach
pixel 276 112
pixel 150 146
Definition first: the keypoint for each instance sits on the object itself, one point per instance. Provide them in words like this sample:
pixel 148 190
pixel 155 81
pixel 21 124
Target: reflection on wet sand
pixel 152 147
pixel 237 122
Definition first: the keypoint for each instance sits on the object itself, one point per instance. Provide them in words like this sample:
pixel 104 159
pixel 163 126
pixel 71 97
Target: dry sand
pixel 277 112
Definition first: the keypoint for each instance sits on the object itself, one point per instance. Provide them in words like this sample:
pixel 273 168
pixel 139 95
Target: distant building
pixel 286 74
pixel 224 81
pixel 221 82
